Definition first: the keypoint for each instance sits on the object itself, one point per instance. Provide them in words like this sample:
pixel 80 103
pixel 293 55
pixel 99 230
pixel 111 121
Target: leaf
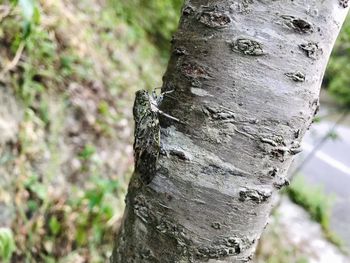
pixel 87 152
pixel 95 197
pixel 7 244
pixel 36 15
pixel 81 236
pixel 33 184
pixel 55 226
pixel 40 190
pixel 31 15
pixel 32 206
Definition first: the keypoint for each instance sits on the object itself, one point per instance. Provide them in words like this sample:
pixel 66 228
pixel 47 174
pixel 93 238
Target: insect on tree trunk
pixel 245 76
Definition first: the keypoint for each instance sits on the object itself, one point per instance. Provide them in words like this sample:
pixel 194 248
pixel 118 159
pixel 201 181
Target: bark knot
pixel 194 70
pixel 296 76
pixel 255 195
pixel 218 114
pixel 213 18
pixel 312 50
pixel 281 182
pixel 221 249
pixel 344 3
pixel 216 225
pixel 297 24
pixel 182 155
pixel 180 51
pixel 247 47
pixel 187 10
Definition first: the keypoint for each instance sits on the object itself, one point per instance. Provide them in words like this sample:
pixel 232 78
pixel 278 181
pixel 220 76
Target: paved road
pixel 330 167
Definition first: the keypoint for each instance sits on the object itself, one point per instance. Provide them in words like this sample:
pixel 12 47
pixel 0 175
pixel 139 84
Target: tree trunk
pixel 245 77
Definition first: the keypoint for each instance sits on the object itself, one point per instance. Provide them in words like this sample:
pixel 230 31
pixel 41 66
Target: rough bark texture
pixel 246 77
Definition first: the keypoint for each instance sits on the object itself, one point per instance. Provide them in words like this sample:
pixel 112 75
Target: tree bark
pixel 246 77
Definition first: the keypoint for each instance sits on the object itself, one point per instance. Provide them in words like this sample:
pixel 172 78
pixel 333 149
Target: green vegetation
pixel 158 19
pixel 60 226
pixel 7 244
pixel 314 200
pixel 337 75
pixel 272 250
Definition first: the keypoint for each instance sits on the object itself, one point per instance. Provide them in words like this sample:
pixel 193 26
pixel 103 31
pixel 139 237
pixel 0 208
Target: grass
pixel 159 27
pixel 7 244
pixel 316 202
pixel 69 61
pixel 52 226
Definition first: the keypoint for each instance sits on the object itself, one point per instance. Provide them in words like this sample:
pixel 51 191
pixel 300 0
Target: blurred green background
pixel 73 68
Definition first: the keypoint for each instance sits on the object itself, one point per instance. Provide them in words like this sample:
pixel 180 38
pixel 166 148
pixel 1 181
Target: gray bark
pixel 246 77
